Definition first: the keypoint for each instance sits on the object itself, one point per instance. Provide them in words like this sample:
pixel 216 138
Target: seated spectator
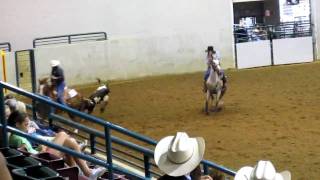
pixel 4 171
pixel 179 157
pixel 264 170
pixel 20 120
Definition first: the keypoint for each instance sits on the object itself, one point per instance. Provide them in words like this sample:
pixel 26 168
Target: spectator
pixel 264 170
pixel 179 155
pixel 20 120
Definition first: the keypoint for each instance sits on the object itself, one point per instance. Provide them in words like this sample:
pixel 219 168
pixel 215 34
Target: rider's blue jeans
pixel 206 74
pixel 60 91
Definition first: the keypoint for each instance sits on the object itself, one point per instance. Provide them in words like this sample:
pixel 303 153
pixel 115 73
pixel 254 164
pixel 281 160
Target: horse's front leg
pixel 206 108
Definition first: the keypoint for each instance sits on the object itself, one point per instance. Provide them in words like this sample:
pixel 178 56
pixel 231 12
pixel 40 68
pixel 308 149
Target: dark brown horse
pixel 74 99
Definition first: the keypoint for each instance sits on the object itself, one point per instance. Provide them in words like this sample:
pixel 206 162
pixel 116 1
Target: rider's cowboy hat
pixel 264 170
pixel 54 63
pixel 210 48
pixel 178 155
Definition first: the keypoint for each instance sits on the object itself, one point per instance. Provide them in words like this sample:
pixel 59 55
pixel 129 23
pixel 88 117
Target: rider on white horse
pixel 214 56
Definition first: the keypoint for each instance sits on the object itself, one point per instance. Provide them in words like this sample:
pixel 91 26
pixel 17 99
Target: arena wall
pixel 123 58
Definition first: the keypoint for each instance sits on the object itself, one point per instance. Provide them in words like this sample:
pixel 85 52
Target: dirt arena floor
pixel 269 113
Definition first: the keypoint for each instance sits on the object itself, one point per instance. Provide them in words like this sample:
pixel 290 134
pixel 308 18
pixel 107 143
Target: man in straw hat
pixel 179 155
pixel 264 170
pixel 57 79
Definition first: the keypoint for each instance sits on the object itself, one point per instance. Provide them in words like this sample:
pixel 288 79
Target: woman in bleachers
pixel 21 121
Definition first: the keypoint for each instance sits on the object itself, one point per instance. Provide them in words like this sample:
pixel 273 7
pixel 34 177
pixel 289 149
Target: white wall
pixel 292 50
pixel 162 30
pixel 123 58
pixel 253 54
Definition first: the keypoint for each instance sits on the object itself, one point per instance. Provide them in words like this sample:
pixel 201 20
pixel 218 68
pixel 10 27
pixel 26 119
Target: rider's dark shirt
pixel 57 71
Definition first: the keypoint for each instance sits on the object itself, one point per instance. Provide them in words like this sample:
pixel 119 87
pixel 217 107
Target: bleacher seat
pixel 9 152
pixel 35 172
pixel 24 151
pixel 115 176
pixel 71 173
pixel 50 160
pixel 21 162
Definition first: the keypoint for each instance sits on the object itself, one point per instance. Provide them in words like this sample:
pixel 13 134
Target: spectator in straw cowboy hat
pixel 264 170
pixel 179 157
pixel 57 79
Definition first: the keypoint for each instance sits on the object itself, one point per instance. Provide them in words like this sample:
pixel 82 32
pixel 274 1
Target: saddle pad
pixel 72 93
pixel 102 87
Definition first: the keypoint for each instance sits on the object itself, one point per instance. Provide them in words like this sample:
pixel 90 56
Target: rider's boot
pixel 204 87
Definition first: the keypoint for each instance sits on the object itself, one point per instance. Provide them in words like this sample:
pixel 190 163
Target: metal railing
pixel 269 32
pixel 6 46
pixel 109 139
pixel 69 39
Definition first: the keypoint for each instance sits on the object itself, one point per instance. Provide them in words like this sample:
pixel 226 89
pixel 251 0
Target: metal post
pixel 69 39
pixel 146 166
pixel 205 169
pixel 92 143
pixel 3 119
pixel 270 35
pixel 313 29
pixel 17 69
pixel 235 50
pixel 108 151
pixel 34 82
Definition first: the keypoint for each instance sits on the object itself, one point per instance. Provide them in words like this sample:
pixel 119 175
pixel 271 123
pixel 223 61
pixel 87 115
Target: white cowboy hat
pixel 179 155
pixel 54 63
pixel 264 170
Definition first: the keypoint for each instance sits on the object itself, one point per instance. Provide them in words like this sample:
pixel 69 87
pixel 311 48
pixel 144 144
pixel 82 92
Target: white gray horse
pixel 214 88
